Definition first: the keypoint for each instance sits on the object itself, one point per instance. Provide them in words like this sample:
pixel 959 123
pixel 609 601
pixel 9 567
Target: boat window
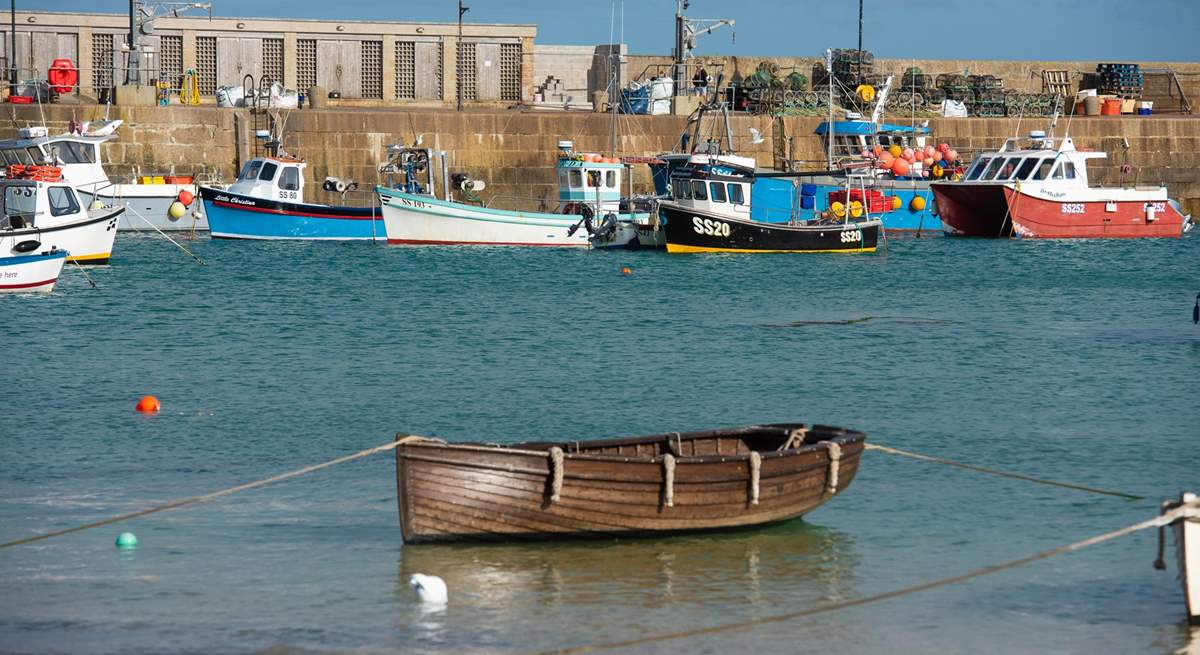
pixel 576 178
pixel 716 191
pixel 289 179
pixel 698 190
pixel 1043 170
pixel 37 154
pixel 1069 170
pixel 562 178
pixel 24 156
pixel 268 171
pixel 992 168
pixel 735 194
pixel 978 168
pixel 683 190
pixel 10 157
pixel 62 201
pixel 62 153
pixel 20 201
pixel 1027 167
pixel 1007 169
pixel 610 179
pixel 250 172
pixel 83 152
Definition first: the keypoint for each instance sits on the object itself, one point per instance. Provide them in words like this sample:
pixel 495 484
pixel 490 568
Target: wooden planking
pixel 236 58
pixel 487 65
pixel 428 84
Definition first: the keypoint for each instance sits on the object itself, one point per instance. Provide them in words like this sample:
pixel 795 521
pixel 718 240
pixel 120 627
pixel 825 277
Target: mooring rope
pixel 1164 519
pixel 217 494
pixel 1005 474
pixel 164 234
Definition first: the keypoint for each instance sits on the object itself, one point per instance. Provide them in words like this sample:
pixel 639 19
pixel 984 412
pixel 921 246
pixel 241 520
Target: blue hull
pixel 235 216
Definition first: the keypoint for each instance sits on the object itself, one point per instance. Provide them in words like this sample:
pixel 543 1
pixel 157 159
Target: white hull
pixel 147 206
pixel 412 219
pixel 30 273
pixel 1187 548
pixel 633 235
pixel 88 240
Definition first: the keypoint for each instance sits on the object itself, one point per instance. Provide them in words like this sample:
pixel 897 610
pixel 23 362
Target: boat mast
pixel 829 132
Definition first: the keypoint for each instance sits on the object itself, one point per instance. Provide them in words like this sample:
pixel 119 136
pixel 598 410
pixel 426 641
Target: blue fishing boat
pixel 267 202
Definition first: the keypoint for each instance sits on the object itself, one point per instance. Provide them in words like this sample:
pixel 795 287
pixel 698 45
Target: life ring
pixel 62 76
pixel 866 92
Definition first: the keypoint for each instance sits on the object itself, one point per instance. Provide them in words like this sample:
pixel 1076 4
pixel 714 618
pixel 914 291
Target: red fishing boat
pixel 1037 190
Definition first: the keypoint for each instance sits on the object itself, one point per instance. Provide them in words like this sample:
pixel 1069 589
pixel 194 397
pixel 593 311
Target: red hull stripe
pixel 418 242
pixel 28 285
pixel 280 212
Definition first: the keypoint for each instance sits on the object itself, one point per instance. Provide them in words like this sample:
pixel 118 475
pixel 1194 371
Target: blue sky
pixel 1110 30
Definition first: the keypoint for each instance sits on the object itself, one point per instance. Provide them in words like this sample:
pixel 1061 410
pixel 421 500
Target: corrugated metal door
pixel 487 80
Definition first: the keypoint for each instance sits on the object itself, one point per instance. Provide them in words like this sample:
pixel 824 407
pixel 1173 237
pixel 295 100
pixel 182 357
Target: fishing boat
pixel 639 486
pixel 41 210
pixel 163 202
pixel 710 211
pixel 589 198
pixel 267 202
pixel 1187 550
pixel 31 273
pixel 1037 188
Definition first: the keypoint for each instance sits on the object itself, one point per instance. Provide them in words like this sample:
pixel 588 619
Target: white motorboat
pixel 169 204
pixel 40 210
pixel 35 272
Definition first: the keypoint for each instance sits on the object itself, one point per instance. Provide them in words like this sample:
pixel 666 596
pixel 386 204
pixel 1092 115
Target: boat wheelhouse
pixel 1039 188
pixel 39 210
pixel 78 154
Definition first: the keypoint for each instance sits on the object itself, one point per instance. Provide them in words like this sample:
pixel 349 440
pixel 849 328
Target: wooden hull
pixel 626 487
pixel 689 230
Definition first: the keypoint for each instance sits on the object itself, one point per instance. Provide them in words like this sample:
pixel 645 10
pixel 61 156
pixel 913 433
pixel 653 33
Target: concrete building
pixel 375 62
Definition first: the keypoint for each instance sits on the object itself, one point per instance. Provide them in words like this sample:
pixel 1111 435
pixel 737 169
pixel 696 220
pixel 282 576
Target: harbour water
pixel 1074 361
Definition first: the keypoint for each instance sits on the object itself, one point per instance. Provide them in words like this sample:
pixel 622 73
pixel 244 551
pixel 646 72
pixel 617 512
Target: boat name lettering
pixel 1053 194
pixel 852 236
pixel 1073 208
pixel 710 227
pixel 412 203
pixel 8 275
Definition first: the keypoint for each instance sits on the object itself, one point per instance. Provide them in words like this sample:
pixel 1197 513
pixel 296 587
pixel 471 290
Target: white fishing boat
pixel 589 192
pixel 166 203
pixel 39 210
pixel 36 272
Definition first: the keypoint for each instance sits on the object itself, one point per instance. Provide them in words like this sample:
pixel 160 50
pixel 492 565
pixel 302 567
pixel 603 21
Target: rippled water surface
pixel 1072 361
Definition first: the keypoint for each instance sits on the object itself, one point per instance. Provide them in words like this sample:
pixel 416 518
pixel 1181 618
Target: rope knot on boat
pixel 755 471
pixel 556 472
pixel 835 458
pixel 669 480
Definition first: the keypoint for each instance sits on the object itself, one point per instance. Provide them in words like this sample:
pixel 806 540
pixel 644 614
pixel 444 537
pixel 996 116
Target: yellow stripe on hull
pixel 98 258
pixel 677 248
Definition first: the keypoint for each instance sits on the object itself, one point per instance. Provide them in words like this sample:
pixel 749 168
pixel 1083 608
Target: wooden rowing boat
pixel 638 486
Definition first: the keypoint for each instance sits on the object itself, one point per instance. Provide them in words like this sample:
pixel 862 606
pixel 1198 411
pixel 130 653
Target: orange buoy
pixel 186 197
pixel 148 405
pixel 625 270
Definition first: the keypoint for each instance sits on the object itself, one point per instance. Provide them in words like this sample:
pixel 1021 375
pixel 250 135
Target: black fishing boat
pixel 710 211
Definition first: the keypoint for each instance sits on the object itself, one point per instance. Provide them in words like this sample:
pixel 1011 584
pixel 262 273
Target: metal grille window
pixel 206 64
pixel 272 59
pixel 510 71
pixel 306 63
pixel 441 68
pixel 102 61
pixel 406 70
pixel 170 60
pixel 372 69
pixel 466 70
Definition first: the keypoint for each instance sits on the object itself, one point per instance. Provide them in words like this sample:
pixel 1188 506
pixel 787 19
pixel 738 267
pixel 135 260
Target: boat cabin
pixel 850 138
pixel 28 203
pixel 1034 159
pixel 588 179
pixel 721 184
pixel 271 178
pixel 78 155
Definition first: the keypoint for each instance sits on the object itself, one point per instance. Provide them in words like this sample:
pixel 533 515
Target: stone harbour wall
pixel 514 151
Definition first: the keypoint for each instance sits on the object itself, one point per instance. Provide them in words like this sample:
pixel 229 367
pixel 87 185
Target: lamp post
pixel 462 9
pixel 12 50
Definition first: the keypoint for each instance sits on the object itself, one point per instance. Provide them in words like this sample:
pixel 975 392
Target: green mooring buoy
pixel 127 540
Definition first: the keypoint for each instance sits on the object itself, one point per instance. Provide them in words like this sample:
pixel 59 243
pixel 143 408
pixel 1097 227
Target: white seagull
pixel 430 589
pixel 755 136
